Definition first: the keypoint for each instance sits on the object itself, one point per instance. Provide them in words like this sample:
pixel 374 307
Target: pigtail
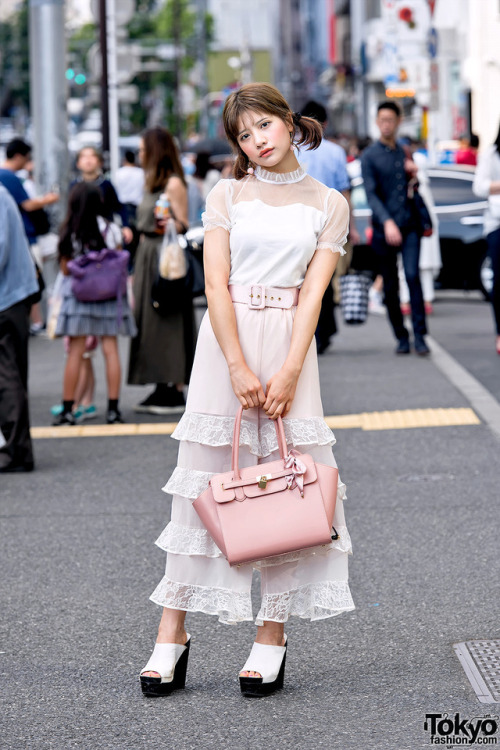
pixel 310 130
pixel 241 165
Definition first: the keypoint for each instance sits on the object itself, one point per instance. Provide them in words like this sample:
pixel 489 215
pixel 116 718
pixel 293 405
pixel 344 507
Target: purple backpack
pixel 99 275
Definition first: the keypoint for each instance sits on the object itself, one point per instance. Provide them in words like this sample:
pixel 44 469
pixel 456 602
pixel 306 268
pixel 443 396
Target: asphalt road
pixel 78 565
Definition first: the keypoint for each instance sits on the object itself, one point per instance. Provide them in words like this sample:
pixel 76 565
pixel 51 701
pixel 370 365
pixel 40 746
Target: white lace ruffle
pixel 230 606
pixel 189 483
pixel 209 429
pixel 186 540
pixel 315 601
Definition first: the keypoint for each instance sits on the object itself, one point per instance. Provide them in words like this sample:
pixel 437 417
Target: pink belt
pixel 257 296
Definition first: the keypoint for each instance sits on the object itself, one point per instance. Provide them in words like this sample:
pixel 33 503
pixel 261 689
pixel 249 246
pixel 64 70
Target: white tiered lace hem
pixel 313 601
pixel 213 430
pixel 230 606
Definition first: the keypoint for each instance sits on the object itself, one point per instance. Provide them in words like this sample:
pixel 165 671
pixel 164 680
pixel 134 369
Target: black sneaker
pixel 114 417
pixel 403 347
pixel 421 347
pixel 171 400
pixel 64 420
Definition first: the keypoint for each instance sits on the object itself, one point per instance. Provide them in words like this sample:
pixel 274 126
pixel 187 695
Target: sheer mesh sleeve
pixel 218 206
pixel 333 235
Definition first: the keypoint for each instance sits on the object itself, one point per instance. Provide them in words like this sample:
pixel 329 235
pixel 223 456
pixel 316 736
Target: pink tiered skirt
pixel 311 583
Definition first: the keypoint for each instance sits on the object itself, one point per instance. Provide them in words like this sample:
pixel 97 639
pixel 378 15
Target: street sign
pixel 432 43
pixel 128 61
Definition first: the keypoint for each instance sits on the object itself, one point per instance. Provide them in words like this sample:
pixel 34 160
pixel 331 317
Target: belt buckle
pixel 257 297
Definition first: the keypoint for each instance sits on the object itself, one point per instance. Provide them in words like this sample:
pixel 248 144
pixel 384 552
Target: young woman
pixel 162 351
pixel 271 229
pixel 85 229
pixel 487 185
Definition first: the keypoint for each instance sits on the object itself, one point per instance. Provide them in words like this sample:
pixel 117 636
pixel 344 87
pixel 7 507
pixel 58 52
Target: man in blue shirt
pixel 18 154
pixel 386 170
pixel 17 284
pixel 327 164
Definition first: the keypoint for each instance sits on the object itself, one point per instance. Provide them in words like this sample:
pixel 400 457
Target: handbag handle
pixel 280 434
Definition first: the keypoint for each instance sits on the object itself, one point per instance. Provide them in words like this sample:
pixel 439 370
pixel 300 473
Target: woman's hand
pixel 246 386
pixel 280 392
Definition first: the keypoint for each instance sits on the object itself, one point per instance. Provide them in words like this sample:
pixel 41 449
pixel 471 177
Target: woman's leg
pixel 269 634
pixel 427 281
pixel 171 630
pixel 73 366
pixel 84 393
pixel 113 368
pixel 494 253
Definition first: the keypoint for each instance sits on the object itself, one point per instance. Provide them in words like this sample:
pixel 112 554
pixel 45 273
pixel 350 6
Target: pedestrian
pixel 18 155
pixel 200 184
pixel 467 150
pixel 328 164
pixel 386 171
pixel 273 229
pixel 17 284
pixel 129 182
pixel 430 252
pixel 487 185
pixel 162 351
pixel 84 229
pixel 90 162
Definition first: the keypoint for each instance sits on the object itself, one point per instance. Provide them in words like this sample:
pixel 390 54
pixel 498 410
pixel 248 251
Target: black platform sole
pixel 153 687
pixel 253 687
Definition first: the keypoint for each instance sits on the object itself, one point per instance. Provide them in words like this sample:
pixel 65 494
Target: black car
pixel 460 214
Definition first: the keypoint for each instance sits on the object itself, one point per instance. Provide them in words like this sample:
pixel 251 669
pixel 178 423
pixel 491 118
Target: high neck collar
pixel 280 178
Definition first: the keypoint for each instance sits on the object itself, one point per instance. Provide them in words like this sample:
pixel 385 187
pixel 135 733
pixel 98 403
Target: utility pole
pixel 176 33
pixel 357 22
pixel 48 98
pixel 103 43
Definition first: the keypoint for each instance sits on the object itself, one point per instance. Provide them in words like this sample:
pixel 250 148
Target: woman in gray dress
pixel 162 351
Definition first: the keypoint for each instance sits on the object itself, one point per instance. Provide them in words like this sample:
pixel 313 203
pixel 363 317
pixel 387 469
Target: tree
pixel 14 63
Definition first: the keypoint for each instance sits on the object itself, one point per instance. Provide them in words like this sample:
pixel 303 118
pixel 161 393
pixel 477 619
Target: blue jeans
pixel 493 240
pixel 387 257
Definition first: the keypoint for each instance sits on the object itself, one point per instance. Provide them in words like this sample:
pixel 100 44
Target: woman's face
pixel 265 139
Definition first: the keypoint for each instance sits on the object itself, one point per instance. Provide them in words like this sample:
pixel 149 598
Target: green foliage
pixel 14 61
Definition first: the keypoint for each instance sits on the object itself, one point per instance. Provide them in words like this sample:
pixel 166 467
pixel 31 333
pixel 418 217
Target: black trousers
pixel 14 414
pixel 327 325
pixel 387 265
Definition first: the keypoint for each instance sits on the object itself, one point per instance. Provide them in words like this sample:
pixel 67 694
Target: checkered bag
pixel 354 288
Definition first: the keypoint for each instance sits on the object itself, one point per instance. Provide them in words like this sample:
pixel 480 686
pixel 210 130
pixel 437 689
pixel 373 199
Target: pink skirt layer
pixel 310 584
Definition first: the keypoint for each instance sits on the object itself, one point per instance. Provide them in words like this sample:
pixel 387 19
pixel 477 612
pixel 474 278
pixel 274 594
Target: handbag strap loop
pixel 280 434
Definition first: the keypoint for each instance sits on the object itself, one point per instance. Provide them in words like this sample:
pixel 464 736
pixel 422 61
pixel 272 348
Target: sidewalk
pixel 79 563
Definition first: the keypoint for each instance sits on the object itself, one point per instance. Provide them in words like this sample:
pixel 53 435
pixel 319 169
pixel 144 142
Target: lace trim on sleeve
pixel 333 247
pixel 214 220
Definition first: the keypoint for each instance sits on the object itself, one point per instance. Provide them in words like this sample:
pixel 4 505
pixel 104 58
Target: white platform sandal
pixel 170 661
pixel 269 662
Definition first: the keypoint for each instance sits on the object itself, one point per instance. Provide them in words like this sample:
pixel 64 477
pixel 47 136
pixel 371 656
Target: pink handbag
pixel 252 515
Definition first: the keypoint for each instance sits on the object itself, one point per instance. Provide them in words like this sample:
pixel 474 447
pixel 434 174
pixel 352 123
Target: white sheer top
pixel 276 222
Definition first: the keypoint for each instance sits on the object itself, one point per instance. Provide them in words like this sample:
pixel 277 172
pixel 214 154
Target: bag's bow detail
pixel 298 467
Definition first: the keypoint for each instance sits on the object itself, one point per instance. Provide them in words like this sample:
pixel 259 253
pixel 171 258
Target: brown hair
pixel 94 150
pixel 262 97
pixel 161 159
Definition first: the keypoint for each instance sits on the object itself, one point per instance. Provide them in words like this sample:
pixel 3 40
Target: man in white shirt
pixel 129 184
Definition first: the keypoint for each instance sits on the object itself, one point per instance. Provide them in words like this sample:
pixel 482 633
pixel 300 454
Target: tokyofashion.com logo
pixel 445 729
